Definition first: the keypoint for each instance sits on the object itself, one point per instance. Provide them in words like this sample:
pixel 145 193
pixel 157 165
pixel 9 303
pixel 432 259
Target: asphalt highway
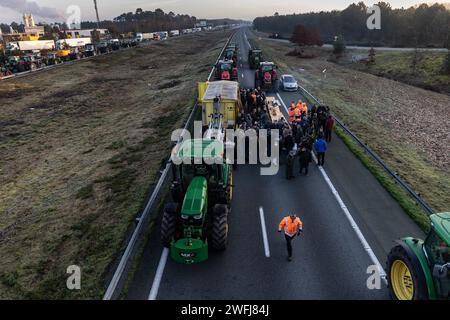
pixel 349 222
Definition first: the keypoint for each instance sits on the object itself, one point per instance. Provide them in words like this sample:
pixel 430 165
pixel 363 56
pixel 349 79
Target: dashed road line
pixel 264 232
pixel 347 213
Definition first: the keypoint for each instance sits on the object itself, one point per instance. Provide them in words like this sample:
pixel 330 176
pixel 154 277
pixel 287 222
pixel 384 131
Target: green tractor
pixel 254 58
pixel 231 54
pixel 420 270
pixel 201 191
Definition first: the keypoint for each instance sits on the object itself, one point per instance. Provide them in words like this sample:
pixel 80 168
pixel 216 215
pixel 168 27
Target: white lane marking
pixel 282 102
pixel 246 39
pixel 264 232
pixel 348 215
pixel 159 274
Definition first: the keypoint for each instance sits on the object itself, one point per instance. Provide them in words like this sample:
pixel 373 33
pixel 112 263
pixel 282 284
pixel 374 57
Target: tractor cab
pixel 420 270
pixel 231 53
pixel 200 157
pixel 266 75
pixel 254 58
pixel 201 193
pixel 225 70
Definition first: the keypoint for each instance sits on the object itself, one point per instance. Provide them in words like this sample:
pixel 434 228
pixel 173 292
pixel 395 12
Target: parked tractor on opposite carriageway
pixel 225 70
pixel 420 270
pixel 266 76
pixel 202 180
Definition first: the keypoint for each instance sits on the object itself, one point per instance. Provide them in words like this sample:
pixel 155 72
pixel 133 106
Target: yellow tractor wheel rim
pixel 401 280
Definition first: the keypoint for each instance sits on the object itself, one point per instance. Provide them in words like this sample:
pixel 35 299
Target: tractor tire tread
pixel 399 253
pixel 219 232
pixel 168 224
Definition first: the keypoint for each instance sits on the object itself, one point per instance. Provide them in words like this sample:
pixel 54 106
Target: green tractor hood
pixel 191 249
pixel 195 198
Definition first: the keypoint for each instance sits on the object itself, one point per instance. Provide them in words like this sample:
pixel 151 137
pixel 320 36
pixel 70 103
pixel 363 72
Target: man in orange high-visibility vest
pixel 292 226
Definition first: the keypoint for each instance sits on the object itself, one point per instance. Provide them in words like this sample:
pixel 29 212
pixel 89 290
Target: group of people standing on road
pixel 310 129
pixel 254 114
pixel 307 130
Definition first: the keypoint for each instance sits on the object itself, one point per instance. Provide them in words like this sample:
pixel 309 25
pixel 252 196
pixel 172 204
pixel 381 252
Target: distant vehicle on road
pixel 31 45
pixel 114 44
pixel 89 50
pixel 76 42
pixel 288 83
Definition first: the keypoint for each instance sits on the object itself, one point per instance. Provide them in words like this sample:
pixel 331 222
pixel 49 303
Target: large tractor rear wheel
pixel 168 224
pixel 219 232
pixel 405 278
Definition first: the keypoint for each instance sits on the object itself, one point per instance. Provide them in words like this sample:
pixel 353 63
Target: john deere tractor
pixel 266 76
pixel 254 58
pixel 202 179
pixel 198 216
pixel 419 270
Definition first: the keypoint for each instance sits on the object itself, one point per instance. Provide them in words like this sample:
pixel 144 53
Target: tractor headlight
pixel 184 217
pixel 198 217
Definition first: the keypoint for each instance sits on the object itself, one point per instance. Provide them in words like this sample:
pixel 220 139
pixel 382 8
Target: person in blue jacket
pixel 321 147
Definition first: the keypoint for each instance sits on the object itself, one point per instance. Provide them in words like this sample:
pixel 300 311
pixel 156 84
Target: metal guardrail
pixel 392 173
pixel 115 283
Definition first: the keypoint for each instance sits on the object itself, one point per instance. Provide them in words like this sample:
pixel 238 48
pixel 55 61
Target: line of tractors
pixel 226 68
pixel 20 61
pixel 266 76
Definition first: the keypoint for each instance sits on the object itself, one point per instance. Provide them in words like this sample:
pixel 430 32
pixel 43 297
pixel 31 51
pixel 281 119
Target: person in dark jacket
pixel 304 158
pixel 289 142
pixel 298 135
pixel 290 165
pixel 307 142
pixel 329 128
pixel 321 147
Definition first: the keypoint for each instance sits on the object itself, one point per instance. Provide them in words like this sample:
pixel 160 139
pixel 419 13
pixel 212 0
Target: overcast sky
pixel 48 10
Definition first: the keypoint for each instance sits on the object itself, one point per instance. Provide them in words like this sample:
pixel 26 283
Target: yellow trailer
pixel 220 97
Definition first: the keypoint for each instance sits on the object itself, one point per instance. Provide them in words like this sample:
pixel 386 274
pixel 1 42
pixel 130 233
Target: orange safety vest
pixel 290 227
pixel 253 98
pixel 298 114
pixel 305 108
pixel 291 114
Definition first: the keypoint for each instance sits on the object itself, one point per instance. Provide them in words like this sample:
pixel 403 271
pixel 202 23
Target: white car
pixel 288 83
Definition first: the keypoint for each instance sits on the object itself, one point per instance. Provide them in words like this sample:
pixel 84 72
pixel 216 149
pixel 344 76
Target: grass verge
pixel 411 207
